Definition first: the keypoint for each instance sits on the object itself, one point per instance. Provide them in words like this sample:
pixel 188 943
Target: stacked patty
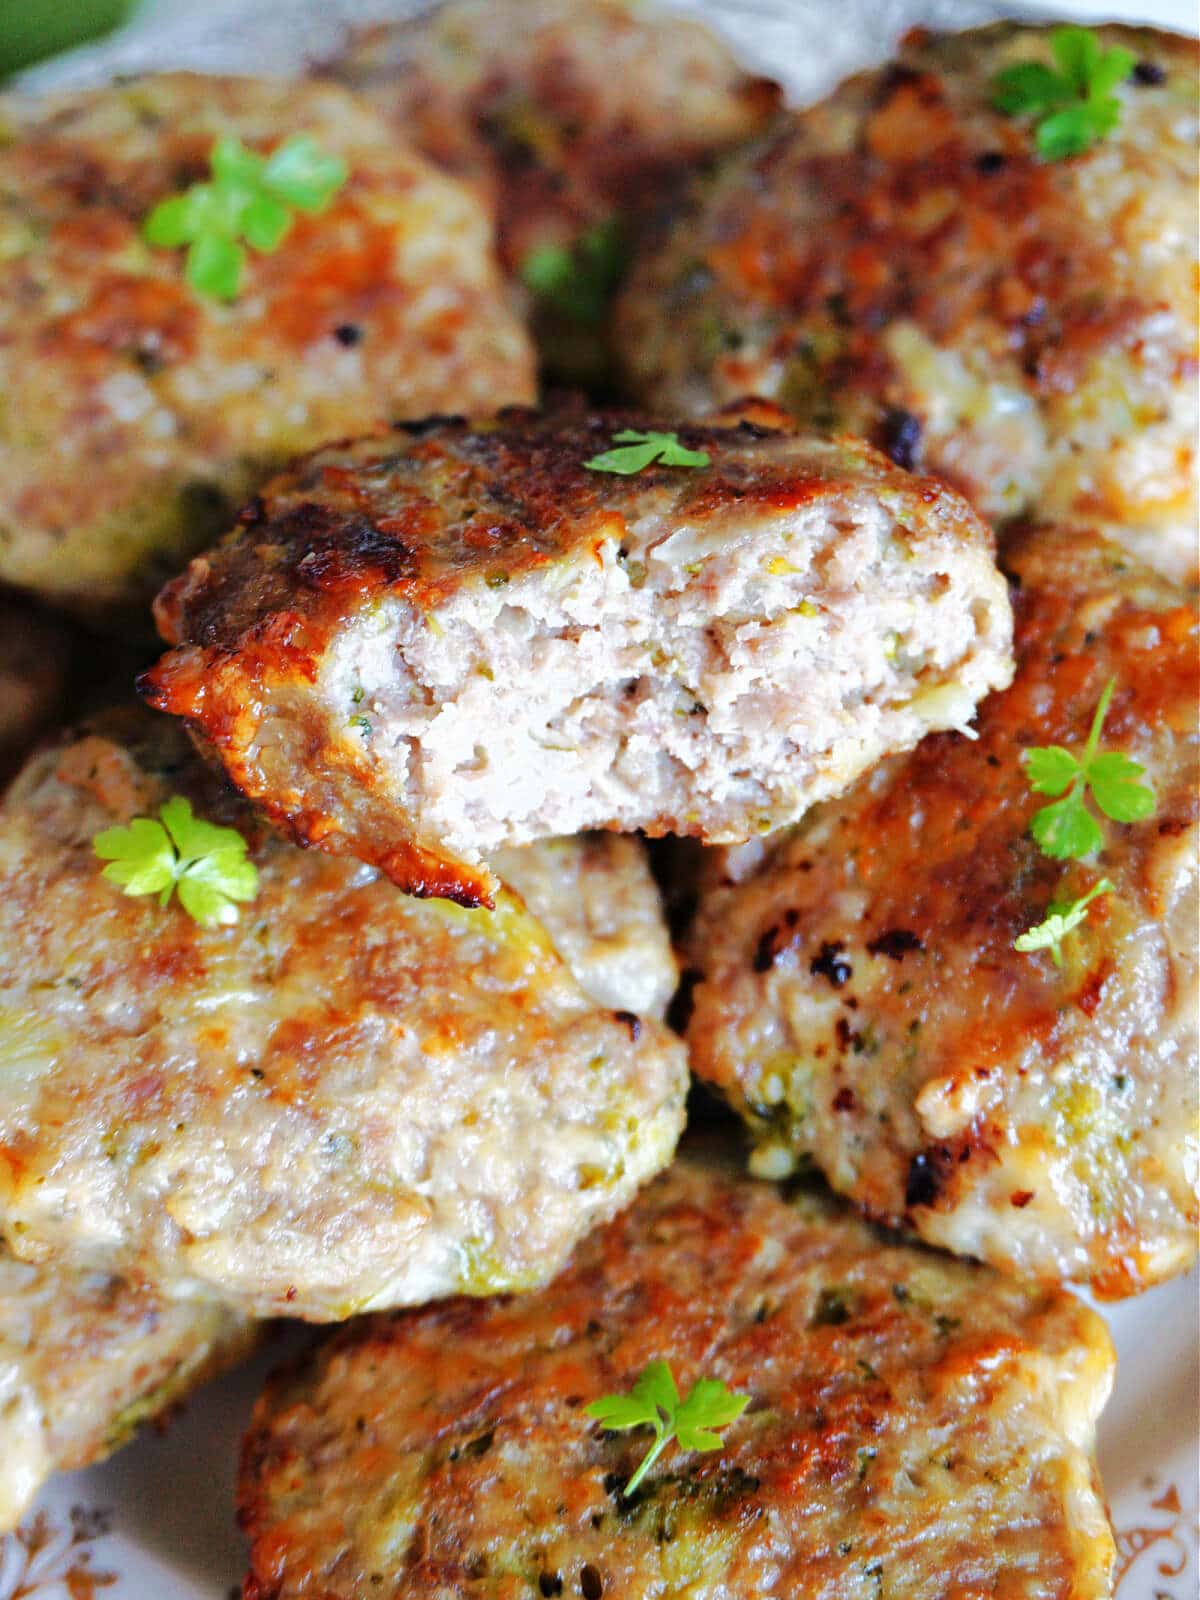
pixel 85 1359
pixel 348 1098
pixel 916 1425
pixel 139 414
pixel 862 1002
pixel 421 647
pixel 566 114
pixel 901 261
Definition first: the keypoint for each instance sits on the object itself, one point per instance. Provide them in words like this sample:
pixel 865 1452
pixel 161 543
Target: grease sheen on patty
pixel 899 261
pixel 348 1099
pixel 136 414
pixel 918 1427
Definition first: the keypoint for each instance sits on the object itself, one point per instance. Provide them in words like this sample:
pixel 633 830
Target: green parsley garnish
pixel 654 1402
pixel 1073 106
pixel 640 449
pixel 251 198
pixel 578 282
pixel 1067 830
pixel 207 864
pixel 1061 918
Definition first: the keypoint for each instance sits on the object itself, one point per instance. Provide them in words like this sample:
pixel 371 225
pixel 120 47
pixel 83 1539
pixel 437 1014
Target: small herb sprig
pixel 1062 917
pixel 1067 830
pixel 251 198
pixel 207 864
pixel 578 282
pixel 1072 106
pixel 638 450
pixel 654 1402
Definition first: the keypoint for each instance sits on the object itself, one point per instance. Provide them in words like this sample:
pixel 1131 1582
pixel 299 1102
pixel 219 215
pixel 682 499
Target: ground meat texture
pixel 574 119
pixel 138 414
pixel 1039 1118
pixel 917 1427
pixel 84 1360
pixel 596 898
pixel 350 1099
pixel 565 113
pixel 418 649
pixel 899 261
pixel 36 652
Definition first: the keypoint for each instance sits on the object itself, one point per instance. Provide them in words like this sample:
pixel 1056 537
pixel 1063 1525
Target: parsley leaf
pixel 251 198
pixel 1067 830
pixel 640 449
pixel 1073 106
pixel 1061 918
pixel 206 863
pixel 654 1402
pixel 578 282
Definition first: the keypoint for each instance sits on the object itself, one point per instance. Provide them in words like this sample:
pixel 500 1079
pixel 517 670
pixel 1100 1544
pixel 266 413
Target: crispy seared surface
pixel 86 1359
pixel 900 262
pixel 564 112
pixel 918 1428
pixel 358 651
pixel 862 1004
pixel 137 414
pixel 348 1099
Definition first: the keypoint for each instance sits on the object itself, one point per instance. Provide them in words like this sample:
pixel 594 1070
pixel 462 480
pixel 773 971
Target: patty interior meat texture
pixel 917 1426
pixel 346 1100
pixel 139 412
pixel 418 649
pixel 901 262
pixel 86 1359
pixel 861 1002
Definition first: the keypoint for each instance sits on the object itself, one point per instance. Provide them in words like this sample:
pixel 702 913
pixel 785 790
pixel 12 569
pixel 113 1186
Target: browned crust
pixel 545 125
pixel 904 195
pixel 849 1344
pixel 417 515
pixel 943 865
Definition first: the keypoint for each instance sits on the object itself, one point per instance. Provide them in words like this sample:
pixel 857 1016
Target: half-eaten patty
pixel 419 648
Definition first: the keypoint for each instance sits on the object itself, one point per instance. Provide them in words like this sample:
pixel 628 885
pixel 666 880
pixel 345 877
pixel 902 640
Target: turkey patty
pixel 917 1427
pixel 900 261
pixel 421 648
pixel 137 414
pixel 84 1360
pixel 863 1005
pixel 347 1099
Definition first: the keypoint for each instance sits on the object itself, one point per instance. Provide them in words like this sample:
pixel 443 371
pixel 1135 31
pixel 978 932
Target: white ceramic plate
pixel 155 1523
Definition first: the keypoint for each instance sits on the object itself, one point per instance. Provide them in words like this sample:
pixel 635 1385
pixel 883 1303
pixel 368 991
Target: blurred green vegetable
pixel 31 30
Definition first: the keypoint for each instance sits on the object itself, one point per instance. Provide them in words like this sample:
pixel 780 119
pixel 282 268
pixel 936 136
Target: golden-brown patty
pixel 86 1359
pixel 918 1428
pixel 137 414
pixel 346 1099
pixel 564 113
pixel 900 261
pixel 420 648
pixel 862 1003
